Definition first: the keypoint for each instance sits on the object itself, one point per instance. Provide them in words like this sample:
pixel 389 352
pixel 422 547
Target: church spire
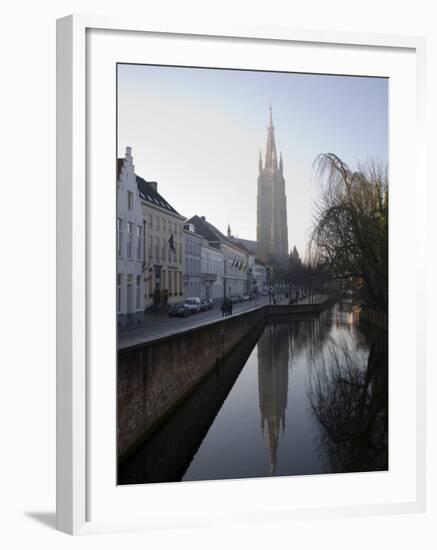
pixel 229 231
pixel 260 162
pixel 271 162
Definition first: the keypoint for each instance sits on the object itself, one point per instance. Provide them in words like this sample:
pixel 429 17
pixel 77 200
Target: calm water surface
pixel 301 397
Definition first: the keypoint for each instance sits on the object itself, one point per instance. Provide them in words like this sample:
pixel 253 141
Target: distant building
pixel 271 232
pixel 212 270
pixel 250 262
pixel 165 255
pixel 130 244
pixel 260 275
pixel 250 245
pixel 192 274
pixel 235 261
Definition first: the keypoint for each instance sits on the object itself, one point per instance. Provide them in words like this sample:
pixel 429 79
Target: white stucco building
pixel 235 261
pixel 260 276
pixel 212 269
pixel 192 271
pixel 130 244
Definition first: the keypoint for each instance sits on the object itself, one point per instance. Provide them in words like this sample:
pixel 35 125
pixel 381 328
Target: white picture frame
pixel 74 208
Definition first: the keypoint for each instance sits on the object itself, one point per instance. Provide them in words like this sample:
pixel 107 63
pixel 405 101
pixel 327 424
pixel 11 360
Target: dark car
pixel 180 310
pixel 157 308
pixel 206 304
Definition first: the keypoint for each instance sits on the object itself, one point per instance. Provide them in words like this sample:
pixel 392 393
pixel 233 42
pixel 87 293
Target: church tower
pixel 271 230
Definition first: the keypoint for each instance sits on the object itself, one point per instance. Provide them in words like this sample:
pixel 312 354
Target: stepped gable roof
pixel 149 194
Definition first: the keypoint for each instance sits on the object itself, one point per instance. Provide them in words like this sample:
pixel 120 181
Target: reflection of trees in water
pixel 309 336
pixel 349 400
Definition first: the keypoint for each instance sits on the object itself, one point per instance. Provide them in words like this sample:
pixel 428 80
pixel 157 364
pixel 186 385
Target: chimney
pixel 203 218
pixel 153 185
pixel 128 152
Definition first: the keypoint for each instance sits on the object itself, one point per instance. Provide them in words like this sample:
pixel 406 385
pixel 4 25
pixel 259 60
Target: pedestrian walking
pixel 224 308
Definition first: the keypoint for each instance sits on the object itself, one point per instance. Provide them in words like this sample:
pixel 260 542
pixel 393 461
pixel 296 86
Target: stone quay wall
pixel 154 377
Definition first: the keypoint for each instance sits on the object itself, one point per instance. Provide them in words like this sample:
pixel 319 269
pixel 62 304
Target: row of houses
pixel 164 258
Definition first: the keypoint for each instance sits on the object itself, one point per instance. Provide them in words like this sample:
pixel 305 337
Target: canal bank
pixel 154 378
pixel 300 396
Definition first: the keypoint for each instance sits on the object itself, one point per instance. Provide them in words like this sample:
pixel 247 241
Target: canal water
pixel 301 397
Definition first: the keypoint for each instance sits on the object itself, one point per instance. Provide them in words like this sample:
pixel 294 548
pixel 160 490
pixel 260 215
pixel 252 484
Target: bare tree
pixel 350 234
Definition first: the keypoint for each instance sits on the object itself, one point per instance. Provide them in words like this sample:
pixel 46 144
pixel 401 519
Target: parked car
pixel 246 298
pixel 235 298
pixel 265 293
pixel 206 304
pixel 180 310
pixel 193 304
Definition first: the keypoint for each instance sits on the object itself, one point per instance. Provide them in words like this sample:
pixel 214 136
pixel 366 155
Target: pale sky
pixel 198 132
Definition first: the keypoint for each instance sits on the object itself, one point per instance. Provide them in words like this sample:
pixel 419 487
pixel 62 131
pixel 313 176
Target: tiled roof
pixel 239 243
pixel 250 245
pixel 148 194
pixel 207 230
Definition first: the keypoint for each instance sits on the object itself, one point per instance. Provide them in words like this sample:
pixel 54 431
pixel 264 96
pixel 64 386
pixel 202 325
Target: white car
pixel 193 304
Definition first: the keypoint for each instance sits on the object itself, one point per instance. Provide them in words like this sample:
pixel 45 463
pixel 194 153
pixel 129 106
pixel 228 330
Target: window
pixel 180 283
pixel 139 241
pixel 163 279
pixel 163 225
pixel 119 280
pixel 157 224
pixel 156 248
pixel 151 221
pixel 119 235
pixel 180 253
pixel 163 249
pixel 138 293
pixel 129 240
pixel 150 246
pixel 170 284
pixel 129 293
pixel 130 200
pixel 175 275
pixel 150 284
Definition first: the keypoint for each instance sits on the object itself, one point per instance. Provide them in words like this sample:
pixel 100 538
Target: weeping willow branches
pixel 350 232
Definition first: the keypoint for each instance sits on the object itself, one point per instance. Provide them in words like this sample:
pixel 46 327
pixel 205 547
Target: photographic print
pixel 251 273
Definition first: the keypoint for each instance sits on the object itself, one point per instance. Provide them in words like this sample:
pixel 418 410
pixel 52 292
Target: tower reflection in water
pixel 273 357
pixel 307 396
